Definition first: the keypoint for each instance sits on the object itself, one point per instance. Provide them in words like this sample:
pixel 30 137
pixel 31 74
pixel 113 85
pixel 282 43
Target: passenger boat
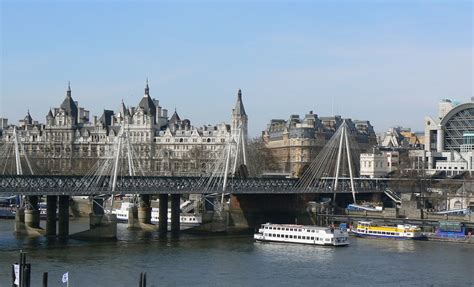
pixel 185 219
pixel 304 234
pixel 373 230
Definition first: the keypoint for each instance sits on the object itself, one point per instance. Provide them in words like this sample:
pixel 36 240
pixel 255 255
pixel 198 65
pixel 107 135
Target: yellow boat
pixel 373 230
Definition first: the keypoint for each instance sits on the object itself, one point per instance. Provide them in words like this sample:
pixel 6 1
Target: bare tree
pixel 260 158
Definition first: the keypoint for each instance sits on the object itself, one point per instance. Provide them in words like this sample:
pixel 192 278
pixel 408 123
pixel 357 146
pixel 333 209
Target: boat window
pixel 286 236
pixel 291 236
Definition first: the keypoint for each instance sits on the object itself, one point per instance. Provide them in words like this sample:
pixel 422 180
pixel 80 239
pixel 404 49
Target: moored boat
pixel 373 230
pixel 185 219
pixel 304 234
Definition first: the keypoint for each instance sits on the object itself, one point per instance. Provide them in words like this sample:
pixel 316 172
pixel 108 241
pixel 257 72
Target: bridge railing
pixel 77 185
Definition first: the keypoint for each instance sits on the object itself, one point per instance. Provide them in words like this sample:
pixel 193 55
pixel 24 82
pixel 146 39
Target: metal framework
pixel 77 185
pixel 455 127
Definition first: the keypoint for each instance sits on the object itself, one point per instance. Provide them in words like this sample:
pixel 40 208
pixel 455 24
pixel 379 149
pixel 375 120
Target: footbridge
pixel 79 185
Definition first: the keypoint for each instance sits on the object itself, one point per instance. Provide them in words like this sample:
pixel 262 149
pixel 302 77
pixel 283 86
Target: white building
pixel 378 163
pixel 165 146
pixel 449 138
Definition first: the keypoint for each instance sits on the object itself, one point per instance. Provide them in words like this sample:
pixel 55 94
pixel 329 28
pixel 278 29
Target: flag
pixel 16 268
pixel 66 277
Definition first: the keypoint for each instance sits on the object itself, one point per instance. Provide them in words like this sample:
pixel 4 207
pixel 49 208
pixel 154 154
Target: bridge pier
pixel 133 221
pixel 20 227
pixel 63 215
pixel 51 207
pixel 163 213
pixel 101 225
pixel 32 213
pixel 175 213
pixel 144 209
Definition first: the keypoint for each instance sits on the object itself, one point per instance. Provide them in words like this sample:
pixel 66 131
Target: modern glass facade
pixel 456 126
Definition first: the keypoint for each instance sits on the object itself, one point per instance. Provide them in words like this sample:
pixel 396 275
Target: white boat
pixel 185 219
pixel 304 234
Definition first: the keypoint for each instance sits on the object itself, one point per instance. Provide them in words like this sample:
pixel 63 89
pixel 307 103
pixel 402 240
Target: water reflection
pixel 399 246
pixel 284 252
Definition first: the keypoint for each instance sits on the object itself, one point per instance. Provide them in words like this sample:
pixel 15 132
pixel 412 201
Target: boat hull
pixel 393 237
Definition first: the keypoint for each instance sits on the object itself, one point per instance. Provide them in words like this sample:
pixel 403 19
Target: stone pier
pixel 20 227
pixel 133 221
pixel 144 209
pixel 102 225
pixel 32 213
pixel 175 213
pixel 163 215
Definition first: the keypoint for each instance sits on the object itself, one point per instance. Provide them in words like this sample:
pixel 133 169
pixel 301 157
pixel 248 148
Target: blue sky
pixel 389 62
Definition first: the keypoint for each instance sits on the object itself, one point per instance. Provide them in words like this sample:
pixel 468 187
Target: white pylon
pixel 344 140
pixel 236 147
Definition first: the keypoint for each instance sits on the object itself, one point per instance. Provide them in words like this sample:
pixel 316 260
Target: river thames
pixel 195 260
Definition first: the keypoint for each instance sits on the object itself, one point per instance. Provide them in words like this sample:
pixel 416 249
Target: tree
pixel 259 158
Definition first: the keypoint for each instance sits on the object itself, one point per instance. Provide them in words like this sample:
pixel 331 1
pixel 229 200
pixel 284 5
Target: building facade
pixel 296 142
pixel 69 142
pixel 449 139
pixel 378 163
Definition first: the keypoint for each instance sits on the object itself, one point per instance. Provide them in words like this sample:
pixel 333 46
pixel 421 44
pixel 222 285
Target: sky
pixel 389 62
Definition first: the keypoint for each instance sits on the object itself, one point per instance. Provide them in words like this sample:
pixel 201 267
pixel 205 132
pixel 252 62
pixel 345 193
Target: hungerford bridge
pixel 334 171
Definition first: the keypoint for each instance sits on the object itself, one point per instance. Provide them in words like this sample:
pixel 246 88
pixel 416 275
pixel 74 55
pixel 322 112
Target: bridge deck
pixel 79 185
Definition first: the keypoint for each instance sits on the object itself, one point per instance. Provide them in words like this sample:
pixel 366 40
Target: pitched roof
pixel 175 118
pixel 239 106
pixel 28 119
pixel 106 118
pixel 69 106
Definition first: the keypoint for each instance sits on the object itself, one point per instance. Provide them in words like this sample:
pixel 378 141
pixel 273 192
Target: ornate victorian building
pixel 296 142
pixel 71 143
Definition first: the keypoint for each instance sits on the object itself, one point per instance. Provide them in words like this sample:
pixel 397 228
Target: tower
pixel 239 119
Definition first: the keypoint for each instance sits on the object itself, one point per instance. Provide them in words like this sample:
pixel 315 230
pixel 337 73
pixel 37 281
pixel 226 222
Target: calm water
pixel 237 261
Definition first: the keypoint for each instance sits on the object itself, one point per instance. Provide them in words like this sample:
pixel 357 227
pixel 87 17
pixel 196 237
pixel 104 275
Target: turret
pixel 239 118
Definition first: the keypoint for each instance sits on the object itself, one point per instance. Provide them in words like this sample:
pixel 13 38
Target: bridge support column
pixel 32 213
pixel 102 225
pixel 63 215
pixel 144 209
pixel 51 208
pixel 163 213
pixel 20 227
pixel 133 216
pixel 175 213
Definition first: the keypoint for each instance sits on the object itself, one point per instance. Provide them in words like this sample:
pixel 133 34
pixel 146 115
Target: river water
pixel 195 260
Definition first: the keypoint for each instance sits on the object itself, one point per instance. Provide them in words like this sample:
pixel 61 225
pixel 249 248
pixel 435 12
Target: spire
pixel 28 118
pixel 69 88
pixel 147 89
pixel 239 106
